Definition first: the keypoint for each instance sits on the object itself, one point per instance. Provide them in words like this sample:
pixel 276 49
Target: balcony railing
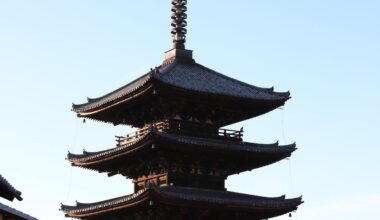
pixel 124 140
pixel 165 126
pixel 231 134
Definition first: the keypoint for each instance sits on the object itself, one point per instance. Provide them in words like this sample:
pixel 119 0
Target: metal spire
pixel 179 32
pixel 179 23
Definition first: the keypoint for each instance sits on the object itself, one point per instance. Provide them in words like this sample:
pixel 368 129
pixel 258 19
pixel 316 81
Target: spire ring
pixel 179 23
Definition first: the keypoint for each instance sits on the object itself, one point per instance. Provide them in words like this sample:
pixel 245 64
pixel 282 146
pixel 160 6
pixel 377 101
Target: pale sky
pixel 326 52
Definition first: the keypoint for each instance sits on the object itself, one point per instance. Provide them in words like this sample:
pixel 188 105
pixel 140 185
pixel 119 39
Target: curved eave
pixel 230 146
pixel 185 143
pixel 201 80
pixel 84 210
pixel 97 157
pixel 7 191
pixel 102 112
pixel 248 107
pixel 198 78
pixel 94 108
pixel 186 197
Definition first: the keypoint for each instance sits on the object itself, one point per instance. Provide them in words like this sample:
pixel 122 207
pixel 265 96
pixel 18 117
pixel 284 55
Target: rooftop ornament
pixel 179 32
pixel 179 23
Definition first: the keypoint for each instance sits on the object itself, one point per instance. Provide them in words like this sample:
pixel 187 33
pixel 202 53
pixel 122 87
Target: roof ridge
pixel 166 67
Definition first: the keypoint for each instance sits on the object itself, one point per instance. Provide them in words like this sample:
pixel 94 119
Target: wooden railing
pixel 155 180
pixel 231 134
pixel 163 126
pixel 124 140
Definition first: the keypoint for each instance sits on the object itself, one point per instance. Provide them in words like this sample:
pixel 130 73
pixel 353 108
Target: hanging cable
pixel 74 144
pixel 290 162
pixel 283 124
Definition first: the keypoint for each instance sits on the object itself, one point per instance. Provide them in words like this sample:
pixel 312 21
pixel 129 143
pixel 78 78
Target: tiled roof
pixel 88 156
pixel 117 94
pixel 192 77
pixel 15 212
pixel 202 143
pixel 7 191
pixel 202 79
pixel 236 146
pixel 188 194
pixel 225 197
pixel 88 207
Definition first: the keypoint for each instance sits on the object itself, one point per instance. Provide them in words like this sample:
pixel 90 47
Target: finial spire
pixel 179 32
pixel 179 23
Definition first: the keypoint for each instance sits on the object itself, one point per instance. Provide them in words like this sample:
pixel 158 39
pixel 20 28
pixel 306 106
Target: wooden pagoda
pixel 180 156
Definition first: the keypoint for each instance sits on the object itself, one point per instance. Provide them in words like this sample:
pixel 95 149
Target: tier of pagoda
pixel 180 155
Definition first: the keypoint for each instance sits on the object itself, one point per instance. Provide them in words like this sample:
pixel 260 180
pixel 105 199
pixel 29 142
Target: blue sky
pixel 326 52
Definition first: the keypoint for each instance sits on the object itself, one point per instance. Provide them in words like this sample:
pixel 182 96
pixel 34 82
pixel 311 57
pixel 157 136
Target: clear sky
pixel 326 52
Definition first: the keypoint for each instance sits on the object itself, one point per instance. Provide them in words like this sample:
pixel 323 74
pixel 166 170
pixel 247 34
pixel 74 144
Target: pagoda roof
pixel 180 196
pixel 15 212
pixel 7 191
pixel 264 153
pixel 190 78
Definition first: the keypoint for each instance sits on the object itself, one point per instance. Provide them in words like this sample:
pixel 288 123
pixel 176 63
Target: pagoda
pixel 180 155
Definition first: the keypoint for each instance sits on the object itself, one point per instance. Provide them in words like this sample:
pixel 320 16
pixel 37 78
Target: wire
pixel 291 178
pixel 74 144
pixel 290 162
pixel 283 124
